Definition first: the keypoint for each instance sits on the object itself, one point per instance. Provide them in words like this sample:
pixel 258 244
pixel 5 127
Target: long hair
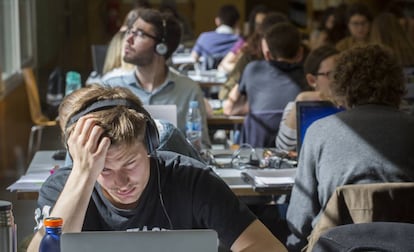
pixel 386 30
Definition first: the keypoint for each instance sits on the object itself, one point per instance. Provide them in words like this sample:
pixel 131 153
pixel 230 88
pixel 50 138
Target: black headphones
pixel 151 132
pixel 161 48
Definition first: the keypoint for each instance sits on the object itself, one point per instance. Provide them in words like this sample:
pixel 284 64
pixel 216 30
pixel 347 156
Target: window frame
pixel 13 13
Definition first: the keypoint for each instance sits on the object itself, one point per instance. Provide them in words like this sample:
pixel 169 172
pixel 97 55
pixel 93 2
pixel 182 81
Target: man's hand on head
pixel 87 146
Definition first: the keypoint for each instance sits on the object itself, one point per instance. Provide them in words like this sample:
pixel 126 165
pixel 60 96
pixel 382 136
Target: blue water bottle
pixel 51 240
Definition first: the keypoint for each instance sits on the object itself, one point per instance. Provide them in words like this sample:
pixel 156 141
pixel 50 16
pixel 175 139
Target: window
pixel 17 26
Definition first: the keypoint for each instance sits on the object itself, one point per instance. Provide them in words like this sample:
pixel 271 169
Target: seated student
pixel 214 45
pixel 386 30
pixel 371 141
pixel 256 17
pixel 359 22
pixel 151 39
pixel 118 182
pixel 318 68
pixel 271 83
pixel 250 52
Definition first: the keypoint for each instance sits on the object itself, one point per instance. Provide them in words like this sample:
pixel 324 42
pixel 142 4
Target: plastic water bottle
pixel 73 82
pixel 8 238
pixel 193 125
pixel 51 240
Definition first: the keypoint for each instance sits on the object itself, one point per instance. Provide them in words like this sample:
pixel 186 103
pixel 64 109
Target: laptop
pixel 265 180
pixel 163 112
pixel 309 111
pixel 201 240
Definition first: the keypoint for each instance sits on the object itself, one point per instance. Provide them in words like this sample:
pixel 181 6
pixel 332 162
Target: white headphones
pixel 161 48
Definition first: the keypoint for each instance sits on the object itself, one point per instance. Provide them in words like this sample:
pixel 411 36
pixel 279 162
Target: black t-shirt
pixel 194 198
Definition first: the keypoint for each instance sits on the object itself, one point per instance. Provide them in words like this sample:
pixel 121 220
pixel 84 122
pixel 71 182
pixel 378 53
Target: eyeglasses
pixel 328 74
pixel 140 33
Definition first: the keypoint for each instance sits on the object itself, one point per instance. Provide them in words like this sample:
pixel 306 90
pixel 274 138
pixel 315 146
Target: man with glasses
pixel 150 41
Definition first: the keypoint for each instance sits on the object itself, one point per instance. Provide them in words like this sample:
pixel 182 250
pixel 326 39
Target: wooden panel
pixel 15 126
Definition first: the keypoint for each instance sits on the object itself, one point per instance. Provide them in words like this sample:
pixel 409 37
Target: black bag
pixel 374 236
pixel 55 91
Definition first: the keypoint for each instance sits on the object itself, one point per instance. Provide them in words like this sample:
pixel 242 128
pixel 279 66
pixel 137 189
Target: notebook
pixel 264 180
pixel 201 240
pixel 309 111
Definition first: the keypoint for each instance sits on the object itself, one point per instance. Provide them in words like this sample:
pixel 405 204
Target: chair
pixel 38 118
pixel 98 57
pixel 362 203
pixel 260 128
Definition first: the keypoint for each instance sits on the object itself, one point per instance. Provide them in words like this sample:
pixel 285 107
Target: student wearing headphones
pixel 151 39
pixel 119 182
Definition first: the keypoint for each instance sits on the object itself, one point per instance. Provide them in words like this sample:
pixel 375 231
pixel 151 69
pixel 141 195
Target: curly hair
pixel 368 74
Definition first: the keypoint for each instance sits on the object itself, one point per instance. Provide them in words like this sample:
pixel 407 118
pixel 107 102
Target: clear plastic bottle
pixel 194 125
pixel 73 82
pixel 51 240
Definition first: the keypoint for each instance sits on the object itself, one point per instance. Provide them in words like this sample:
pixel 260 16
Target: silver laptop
pixel 201 240
pixel 163 112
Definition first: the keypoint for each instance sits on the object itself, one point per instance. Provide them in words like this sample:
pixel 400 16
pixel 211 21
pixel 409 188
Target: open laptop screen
pixel 202 240
pixel 309 111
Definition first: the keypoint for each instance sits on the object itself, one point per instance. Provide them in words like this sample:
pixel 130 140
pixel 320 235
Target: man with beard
pixel 151 39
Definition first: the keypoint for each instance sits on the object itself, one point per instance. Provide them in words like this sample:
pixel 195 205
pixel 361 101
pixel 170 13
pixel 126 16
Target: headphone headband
pixel 164 30
pixel 161 48
pixel 105 104
pixel 152 137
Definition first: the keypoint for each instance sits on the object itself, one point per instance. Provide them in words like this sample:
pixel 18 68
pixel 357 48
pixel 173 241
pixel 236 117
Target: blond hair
pixel 121 124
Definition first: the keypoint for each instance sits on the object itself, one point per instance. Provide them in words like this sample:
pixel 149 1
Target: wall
pixel 206 11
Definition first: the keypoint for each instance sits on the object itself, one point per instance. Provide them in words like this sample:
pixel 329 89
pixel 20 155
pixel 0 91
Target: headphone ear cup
pixel 152 136
pixel 161 48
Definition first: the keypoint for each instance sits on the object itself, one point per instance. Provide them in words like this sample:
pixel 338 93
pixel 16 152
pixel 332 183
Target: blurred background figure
pixel 359 20
pixel 319 36
pixel 256 17
pixel 214 45
pixel 250 52
pixel 387 30
pixel 318 67
pixel 114 63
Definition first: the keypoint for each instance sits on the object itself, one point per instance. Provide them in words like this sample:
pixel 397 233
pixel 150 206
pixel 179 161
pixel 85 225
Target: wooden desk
pixel 224 122
pixel 241 188
pixel 39 168
pixel 208 79
pixel 43 162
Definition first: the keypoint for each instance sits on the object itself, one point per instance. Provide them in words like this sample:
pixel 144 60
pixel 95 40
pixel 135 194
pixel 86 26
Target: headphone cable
pixel 160 192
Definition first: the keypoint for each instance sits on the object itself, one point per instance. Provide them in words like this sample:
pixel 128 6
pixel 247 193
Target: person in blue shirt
pixel 214 45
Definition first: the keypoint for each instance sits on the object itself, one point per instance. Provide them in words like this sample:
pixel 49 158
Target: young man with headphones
pixel 151 39
pixel 118 182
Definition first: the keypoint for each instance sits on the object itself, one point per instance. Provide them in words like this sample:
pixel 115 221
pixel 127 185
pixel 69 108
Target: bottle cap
pixel 5 205
pixel 193 104
pixel 53 222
